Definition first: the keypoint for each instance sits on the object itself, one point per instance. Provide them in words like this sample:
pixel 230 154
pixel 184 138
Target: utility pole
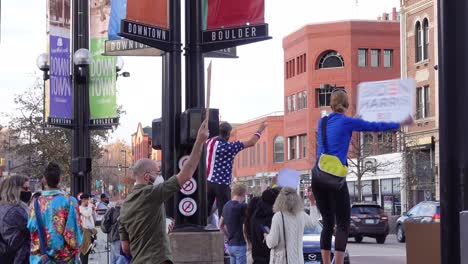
pixel 453 63
pixel 81 160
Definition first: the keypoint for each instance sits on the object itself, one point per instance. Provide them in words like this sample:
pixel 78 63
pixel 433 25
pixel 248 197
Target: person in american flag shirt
pixel 219 163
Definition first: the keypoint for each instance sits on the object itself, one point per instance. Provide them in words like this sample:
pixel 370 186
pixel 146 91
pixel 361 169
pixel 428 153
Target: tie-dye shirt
pixel 63 234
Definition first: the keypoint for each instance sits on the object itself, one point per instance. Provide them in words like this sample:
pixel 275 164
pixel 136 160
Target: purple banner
pixel 61 104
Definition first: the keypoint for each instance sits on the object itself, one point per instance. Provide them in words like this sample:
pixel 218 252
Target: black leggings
pixel 333 205
pixel 220 192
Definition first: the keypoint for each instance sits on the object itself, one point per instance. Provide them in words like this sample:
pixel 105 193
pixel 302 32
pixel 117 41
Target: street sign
pixel 227 53
pixel 182 161
pixel 153 36
pixel 187 207
pixel 235 34
pixel 189 187
pixel 128 47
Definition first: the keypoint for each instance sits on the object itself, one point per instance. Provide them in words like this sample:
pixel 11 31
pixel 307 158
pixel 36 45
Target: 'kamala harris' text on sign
pixel 233 34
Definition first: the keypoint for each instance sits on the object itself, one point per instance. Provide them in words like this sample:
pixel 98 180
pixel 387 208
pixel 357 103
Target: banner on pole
pixel 60 87
pixel 102 87
pixel 386 101
pixel 226 14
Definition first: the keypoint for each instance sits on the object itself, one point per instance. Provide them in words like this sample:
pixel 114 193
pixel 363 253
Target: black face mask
pixel 25 196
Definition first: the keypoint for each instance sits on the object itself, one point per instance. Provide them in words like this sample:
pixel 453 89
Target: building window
pixel 368 143
pixel 292 142
pixel 426 39
pixel 301 64
pixel 303 146
pixel 418 38
pixel 258 154
pixel 288 101
pixel 362 57
pixel 278 149
pixel 385 142
pixel 290 70
pixel 323 95
pixel 331 59
pixel 422 102
pixel 304 99
pixel 293 103
pixel 388 58
pixel 264 153
pixel 252 157
pixel 299 101
pixel 375 57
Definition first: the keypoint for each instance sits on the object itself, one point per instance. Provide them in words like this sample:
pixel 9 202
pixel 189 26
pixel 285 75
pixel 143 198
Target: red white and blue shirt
pixel 220 158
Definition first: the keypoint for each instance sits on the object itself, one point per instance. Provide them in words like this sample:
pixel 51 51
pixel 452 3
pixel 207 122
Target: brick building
pixel 420 58
pixel 316 58
pixel 141 145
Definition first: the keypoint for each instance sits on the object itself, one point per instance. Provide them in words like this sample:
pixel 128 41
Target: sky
pixel 243 88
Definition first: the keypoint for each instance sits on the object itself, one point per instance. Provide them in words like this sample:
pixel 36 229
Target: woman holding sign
pixel 329 174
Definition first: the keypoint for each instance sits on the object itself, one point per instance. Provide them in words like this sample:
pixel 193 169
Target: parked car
pixel 368 220
pixel 311 246
pixel 423 212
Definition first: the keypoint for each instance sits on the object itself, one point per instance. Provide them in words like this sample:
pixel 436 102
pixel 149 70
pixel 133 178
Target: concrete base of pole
pixel 197 247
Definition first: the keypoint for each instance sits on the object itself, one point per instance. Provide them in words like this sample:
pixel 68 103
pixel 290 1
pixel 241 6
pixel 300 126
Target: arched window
pixel 330 59
pixel 418 38
pixel 278 149
pixel 426 38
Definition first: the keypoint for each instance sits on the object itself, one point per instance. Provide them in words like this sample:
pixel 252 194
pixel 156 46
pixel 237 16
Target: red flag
pixel 150 12
pixel 229 13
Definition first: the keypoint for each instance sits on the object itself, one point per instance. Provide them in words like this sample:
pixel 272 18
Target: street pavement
pixel 369 252
pixel 100 253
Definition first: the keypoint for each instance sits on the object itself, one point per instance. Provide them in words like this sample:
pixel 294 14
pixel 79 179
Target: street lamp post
pixel 125 170
pixel 42 63
pixel 118 67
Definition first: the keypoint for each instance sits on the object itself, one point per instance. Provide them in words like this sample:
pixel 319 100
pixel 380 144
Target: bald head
pixel 144 168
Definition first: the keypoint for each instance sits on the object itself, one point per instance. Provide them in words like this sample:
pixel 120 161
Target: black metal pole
pixel 171 100
pixel 81 181
pixel 453 120
pixel 195 89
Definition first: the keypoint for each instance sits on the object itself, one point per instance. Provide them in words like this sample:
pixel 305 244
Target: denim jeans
pixel 115 257
pixel 238 254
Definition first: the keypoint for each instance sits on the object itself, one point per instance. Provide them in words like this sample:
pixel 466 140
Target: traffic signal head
pixel 119 167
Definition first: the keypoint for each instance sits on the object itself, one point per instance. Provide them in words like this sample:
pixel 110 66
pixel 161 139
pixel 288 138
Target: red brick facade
pixel 141 145
pixel 308 54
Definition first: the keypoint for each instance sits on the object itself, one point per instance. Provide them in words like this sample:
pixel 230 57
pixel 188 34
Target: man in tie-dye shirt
pixel 61 221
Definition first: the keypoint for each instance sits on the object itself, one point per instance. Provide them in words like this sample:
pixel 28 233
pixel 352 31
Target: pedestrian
pixel 287 228
pixel 14 235
pixel 110 226
pixel 231 223
pixel 328 176
pixel 313 210
pixel 54 222
pixel 261 218
pixel 142 221
pixel 219 159
pixel 102 207
pixel 88 227
pixel 249 213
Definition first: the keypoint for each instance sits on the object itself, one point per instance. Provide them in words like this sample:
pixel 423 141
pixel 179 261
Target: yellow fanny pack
pixel 332 165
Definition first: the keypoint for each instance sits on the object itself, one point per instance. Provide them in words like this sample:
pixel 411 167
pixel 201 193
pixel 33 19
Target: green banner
pixel 102 89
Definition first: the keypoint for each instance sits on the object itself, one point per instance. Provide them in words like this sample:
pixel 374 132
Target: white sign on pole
pixel 386 101
pixel 187 206
pixel 189 187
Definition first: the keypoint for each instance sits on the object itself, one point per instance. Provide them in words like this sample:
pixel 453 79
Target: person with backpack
pixel 110 226
pixel 54 223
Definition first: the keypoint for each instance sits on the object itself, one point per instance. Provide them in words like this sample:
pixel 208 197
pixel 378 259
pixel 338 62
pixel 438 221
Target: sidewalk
pixel 100 255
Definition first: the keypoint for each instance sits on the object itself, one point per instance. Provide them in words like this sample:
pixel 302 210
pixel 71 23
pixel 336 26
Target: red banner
pixel 150 12
pixel 233 13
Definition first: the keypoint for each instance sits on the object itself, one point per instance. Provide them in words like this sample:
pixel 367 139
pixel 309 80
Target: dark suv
pixel 368 220
pixel 423 212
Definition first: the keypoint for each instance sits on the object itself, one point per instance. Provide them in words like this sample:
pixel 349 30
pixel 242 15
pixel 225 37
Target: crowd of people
pixel 54 227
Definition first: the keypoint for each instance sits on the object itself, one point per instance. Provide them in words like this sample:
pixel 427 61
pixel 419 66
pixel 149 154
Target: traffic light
pixel 119 167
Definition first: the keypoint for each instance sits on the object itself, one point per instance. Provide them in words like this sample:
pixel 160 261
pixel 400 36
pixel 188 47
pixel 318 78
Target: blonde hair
pixel 10 189
pixel 288 201
pixel 339 101
pixel 238 190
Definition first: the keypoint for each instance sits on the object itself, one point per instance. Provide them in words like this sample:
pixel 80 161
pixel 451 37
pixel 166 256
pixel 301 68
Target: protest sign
pixel 288 178
pixel 386 101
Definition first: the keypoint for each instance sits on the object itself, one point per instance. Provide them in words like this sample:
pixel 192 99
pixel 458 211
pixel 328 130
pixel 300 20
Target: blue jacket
pixel 340 129
pixel 14 236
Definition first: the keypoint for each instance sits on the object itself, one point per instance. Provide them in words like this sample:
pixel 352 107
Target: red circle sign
pixel 189 187
pixel 187 207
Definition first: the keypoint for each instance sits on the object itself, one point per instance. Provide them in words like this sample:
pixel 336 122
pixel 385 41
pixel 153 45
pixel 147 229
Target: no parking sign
pixel 187 207
pixel 189 187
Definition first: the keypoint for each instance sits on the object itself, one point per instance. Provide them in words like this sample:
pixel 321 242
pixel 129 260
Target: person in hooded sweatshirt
pixel 262 218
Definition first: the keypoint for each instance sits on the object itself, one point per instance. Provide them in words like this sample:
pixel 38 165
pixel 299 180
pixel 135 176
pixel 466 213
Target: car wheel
pixel 358 239
pixel 400 234
pixel 381 239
